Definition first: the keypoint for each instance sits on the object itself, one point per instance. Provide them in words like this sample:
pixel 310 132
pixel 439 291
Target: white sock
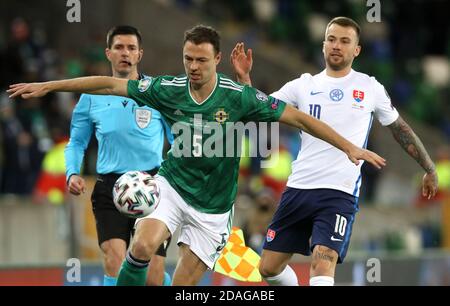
pixel 321 281
pixel 285 278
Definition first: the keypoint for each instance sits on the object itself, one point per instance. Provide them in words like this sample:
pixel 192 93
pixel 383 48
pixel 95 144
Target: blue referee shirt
pixel 129 137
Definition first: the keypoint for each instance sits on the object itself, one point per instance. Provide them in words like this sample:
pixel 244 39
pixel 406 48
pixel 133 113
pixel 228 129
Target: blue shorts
pixel 309 217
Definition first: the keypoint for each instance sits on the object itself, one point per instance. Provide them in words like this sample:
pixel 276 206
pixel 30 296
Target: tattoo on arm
pixel 409 141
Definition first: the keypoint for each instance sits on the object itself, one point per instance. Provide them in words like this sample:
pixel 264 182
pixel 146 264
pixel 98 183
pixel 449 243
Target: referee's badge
pixel 143 117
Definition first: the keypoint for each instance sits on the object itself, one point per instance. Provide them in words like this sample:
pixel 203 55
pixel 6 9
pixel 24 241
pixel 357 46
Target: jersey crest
pixel 336 95
pixel 358 95
pixel 221 116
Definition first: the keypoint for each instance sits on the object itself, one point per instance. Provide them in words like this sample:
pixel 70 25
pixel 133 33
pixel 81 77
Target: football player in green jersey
pixel 197 188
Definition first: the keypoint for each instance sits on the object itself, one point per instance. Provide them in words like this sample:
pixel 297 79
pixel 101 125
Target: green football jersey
pixel 203 163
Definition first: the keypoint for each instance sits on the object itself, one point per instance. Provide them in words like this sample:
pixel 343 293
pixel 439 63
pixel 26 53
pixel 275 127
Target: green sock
pixel 131 276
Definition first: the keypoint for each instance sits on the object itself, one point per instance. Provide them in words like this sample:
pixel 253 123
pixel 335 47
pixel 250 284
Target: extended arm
pixel 99 85
pixel 409 141
pixel 316 128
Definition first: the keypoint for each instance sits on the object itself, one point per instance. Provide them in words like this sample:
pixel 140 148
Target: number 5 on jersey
pixel 197 145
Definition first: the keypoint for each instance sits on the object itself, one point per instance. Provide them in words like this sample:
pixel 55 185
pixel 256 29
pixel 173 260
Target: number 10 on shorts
pixel 341 225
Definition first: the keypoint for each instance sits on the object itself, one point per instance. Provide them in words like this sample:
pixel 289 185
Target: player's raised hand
pixel 27 90
pixel 357 154
pixel 429 185
pixel 241 62
pixel 77 185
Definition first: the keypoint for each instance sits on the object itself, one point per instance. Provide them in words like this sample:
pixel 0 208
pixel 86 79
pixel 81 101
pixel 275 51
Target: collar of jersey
pixel 207 99
pixel 337 80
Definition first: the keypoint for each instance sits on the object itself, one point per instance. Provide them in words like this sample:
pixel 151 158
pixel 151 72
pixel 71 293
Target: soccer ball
pixel 136 194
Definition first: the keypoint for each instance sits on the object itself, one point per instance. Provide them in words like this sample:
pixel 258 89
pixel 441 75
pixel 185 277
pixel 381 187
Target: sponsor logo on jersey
pixel 336 95
pixel 270 235
pixel 144 84
pixel 178 113
pixel 221 116
pixel 143 117
pixel 124 103
pixel 358 95
pixel 261 96
pixel 313 93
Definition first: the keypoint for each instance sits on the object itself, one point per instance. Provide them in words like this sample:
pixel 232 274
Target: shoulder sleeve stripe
pixel 180 79
pixel 230 82
pixel 230 87
pixel 173 84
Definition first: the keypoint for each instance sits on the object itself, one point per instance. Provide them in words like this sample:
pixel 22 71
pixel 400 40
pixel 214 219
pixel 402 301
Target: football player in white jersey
pixel 318 207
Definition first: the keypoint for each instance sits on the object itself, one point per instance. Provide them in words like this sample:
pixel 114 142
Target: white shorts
pixel 206 234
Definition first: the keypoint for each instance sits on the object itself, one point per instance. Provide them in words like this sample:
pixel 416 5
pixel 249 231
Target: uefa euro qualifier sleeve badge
pixel 144 84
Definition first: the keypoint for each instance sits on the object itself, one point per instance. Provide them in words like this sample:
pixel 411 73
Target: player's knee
pixel 267 270
pixel 143 249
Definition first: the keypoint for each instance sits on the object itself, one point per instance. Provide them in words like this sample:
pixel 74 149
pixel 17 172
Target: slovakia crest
pixel 358 95
pixel 270 235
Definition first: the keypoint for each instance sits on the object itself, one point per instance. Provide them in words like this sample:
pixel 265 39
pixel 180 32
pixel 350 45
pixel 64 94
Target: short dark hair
pixel 122 30
pixel 346 22
pixel 203 34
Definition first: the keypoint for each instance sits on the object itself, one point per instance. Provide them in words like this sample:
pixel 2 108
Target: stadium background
pixel 41 226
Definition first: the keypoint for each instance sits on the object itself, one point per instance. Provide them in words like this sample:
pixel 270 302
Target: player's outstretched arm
pixel 99 85
pixel 411 143
pixel 242 63
pixel 316 128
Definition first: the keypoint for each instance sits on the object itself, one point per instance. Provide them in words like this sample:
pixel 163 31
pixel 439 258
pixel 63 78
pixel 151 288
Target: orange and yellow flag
pixel 237 260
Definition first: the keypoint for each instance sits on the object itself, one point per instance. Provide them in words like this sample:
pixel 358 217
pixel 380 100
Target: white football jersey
pixel 348 105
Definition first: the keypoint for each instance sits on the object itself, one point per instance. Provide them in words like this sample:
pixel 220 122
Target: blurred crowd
pixel 34 132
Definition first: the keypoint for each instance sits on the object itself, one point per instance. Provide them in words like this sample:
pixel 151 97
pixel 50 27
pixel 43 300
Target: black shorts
pixel 306 218
pixel 110 223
